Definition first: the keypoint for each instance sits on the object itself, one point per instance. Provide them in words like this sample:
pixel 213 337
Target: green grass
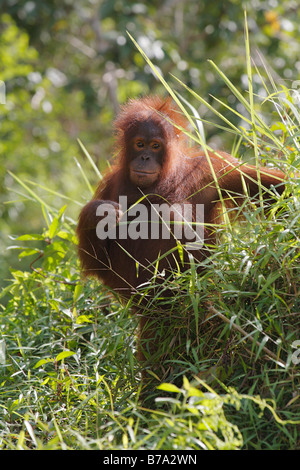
pixel 69 378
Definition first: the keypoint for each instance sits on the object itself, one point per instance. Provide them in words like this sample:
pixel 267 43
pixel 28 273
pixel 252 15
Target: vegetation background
pixel 68 376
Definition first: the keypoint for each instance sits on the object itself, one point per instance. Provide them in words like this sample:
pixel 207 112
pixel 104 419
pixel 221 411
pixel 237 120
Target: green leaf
pixel 29 237
pixel 77 292
pixel 84 319
pixel 28 252
pixel 53 228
